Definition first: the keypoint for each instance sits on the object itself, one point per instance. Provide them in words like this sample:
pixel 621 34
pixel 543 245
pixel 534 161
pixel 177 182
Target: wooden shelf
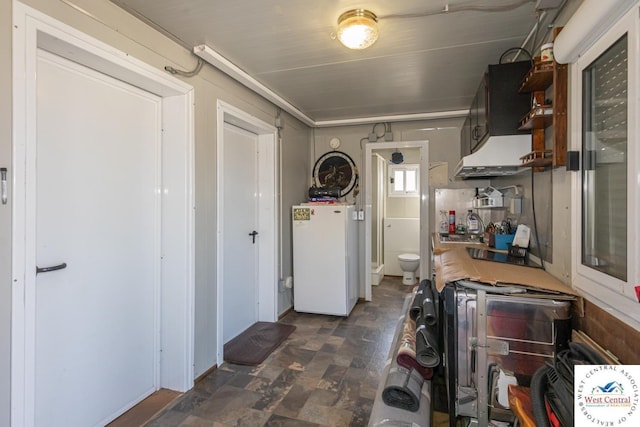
pixel 539 117
pixel 544 118
pixel 537 159
pixel 540 77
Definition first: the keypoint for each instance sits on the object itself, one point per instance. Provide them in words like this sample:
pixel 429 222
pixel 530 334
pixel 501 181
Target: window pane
pixel 404 181
pixel 604 160
pixel 411 185
pixel 398 180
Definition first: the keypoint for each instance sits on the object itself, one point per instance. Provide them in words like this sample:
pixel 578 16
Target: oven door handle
pixel 491 289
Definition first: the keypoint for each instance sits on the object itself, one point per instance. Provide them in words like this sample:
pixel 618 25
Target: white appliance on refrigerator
pixel 325 258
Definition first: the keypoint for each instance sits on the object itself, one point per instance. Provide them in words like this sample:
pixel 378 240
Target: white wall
pixel 443 136
pixel 125 32
pixel 444 146
pixel 295 189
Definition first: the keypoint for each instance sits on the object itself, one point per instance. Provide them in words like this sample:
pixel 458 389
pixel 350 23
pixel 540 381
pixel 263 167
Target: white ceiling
pixel 424 64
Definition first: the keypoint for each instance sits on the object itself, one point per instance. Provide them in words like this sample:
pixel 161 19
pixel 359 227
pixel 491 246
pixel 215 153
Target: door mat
pixel 257 342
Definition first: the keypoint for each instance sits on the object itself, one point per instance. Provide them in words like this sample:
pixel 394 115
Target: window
pixel 404 180
pixel 605 192
pixel 604 160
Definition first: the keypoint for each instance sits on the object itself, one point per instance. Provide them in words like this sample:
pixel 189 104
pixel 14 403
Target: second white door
pixel 241 236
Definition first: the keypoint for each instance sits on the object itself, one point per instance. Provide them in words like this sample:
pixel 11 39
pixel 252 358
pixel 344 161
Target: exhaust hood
pixel 497 156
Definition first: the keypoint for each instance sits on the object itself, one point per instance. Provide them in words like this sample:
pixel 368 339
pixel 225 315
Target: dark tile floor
pixel 325 374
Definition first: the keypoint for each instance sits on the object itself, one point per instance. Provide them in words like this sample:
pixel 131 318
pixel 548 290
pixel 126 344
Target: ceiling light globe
pixel 357 29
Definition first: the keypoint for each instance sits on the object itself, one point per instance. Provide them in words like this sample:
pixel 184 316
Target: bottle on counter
pixel 452 222
pixel 443 227
pixel 473 222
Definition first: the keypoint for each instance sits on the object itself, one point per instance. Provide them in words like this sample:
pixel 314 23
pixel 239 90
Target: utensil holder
pixel 503 239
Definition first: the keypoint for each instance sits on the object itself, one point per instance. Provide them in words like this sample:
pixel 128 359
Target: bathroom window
pixel 404 180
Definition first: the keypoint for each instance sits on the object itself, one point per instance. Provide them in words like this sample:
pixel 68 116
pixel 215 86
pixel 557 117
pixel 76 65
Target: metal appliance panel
pixel 516 334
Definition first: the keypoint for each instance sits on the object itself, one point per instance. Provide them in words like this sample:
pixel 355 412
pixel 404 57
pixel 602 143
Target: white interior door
pixel 240 218
pixel 97 175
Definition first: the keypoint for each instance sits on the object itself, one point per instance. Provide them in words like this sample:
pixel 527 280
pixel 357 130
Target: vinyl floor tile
pixel 325 415
pixel 325 373
pixel 294 400
pixel 280 421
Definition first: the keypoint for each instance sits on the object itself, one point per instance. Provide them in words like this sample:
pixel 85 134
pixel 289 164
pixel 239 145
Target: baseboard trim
pixel 205 373
pixel 287 311
pixel 146 410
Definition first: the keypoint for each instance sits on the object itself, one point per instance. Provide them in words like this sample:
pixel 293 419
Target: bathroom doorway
pixel 375 213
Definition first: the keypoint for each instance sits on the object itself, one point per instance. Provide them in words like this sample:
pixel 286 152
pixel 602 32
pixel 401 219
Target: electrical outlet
pixel 360 215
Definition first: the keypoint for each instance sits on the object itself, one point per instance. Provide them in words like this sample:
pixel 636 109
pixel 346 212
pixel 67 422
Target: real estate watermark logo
pixel 607 395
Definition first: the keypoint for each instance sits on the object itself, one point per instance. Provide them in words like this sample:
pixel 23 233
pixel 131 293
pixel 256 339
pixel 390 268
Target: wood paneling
pixel 619 338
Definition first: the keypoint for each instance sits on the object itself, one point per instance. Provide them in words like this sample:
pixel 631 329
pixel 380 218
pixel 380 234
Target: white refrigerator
pixel 325 258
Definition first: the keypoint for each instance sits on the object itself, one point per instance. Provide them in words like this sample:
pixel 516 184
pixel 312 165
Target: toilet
pixel 409 263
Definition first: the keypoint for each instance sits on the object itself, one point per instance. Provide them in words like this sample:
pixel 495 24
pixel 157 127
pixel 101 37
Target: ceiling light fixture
pixel 357 28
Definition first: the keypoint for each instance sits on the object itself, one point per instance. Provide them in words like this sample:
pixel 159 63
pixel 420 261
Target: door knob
pixel 253 235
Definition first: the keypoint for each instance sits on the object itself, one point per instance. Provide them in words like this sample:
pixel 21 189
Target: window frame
pixel 614 295
pixel 392 168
